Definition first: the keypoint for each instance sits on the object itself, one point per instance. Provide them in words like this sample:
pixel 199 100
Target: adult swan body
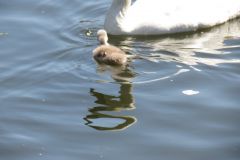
pixel 155 17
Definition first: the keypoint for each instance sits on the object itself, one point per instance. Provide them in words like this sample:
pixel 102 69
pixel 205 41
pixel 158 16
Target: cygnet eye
pixel 102 54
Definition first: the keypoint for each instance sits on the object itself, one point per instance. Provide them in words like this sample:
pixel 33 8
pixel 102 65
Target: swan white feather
pixel 152 17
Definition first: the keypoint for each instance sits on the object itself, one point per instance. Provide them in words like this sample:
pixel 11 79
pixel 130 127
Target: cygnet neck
pixel 103 41
pixel 102 37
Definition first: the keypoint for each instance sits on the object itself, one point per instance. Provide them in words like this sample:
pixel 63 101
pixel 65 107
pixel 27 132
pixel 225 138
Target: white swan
pixel 155 17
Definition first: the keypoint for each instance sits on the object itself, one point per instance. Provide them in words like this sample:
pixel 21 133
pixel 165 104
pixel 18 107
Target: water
pixel 56 103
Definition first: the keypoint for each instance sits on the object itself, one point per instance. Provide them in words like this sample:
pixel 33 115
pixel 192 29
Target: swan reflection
pixel 106 114
pixel 206 47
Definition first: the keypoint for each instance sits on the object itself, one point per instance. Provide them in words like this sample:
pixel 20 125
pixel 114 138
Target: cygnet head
pixel 102 37
pixel 109 55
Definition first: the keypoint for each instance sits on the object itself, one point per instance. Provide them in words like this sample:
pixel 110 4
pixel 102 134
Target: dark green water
pixel 57 104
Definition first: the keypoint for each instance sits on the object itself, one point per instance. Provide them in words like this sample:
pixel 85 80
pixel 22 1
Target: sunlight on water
pixel 190 92
pixel 3 34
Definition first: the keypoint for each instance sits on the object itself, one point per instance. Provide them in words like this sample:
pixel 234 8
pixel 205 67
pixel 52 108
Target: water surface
pixel 56 103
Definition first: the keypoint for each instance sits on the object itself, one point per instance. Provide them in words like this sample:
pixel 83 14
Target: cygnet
pixel 106 53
